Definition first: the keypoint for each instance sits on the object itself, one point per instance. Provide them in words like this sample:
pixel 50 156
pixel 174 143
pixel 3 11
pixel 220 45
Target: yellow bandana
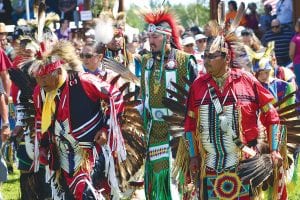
pixel 49 107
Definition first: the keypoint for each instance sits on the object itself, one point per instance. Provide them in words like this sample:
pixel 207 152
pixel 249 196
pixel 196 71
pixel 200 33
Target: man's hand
pixel 6 98
pixel 276 157
pixel 101 137
pixel 18 130
pixel 5 133
pixel 194 167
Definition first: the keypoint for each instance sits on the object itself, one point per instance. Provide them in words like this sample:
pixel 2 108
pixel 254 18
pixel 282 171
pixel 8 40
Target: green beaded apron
pixel 158 161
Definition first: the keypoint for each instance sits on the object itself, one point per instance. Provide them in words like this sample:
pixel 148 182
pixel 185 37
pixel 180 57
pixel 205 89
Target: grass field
pixel 11 189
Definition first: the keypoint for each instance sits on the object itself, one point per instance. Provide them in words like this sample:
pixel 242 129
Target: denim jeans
pixel 297 73
pixel 3 167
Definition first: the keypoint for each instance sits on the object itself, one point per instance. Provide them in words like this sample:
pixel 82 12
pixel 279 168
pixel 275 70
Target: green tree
pixel 190 15
pixel 97 7
pixel 134 18
pixel 193 14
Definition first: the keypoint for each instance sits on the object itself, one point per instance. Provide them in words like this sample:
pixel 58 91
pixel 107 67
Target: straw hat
pixel 2 28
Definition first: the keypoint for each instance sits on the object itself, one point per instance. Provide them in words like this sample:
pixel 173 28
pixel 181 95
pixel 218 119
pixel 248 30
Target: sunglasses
pixel 212 56
pixel 201 40
pixel 86 55
pixel 275 26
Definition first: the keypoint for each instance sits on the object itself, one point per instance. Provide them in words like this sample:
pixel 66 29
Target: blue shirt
pixel 282 42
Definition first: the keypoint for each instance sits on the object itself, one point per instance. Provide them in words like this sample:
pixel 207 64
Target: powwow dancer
pixel 22 92
pixel 164 64
pixel 32 174
pixel 280 89
pixel 221 124
pixel 68 131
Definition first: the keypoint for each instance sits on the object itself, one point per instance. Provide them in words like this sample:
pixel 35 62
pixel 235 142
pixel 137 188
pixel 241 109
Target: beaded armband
pixel 274 137
pixel 267 107
pixel 193 151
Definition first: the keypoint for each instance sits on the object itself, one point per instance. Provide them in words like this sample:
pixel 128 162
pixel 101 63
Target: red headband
pixel 49 68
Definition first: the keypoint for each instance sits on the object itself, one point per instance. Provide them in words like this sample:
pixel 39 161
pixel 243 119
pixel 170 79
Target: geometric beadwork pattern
pixel 227 186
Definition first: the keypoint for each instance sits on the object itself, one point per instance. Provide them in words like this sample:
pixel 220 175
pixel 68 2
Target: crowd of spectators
pixel 255 30
pixel 13 10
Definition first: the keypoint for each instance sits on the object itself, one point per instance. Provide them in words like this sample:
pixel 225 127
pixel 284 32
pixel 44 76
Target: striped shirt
pixel 282 42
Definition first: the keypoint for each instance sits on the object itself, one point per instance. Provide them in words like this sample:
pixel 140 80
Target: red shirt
pixel 240 85
pixel 5 63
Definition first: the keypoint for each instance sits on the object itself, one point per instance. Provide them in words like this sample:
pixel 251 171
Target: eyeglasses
pixel 212 56
pixel 201 40
pixel 275 26
pixel 86 55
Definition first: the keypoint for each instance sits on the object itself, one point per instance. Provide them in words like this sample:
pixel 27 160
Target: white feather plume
pixel 104 31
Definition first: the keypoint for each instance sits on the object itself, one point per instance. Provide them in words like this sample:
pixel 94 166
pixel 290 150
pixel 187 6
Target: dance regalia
pixel 241 97
pixel 280 89
pixel 69 139
pixel 32 179
pixel 158 162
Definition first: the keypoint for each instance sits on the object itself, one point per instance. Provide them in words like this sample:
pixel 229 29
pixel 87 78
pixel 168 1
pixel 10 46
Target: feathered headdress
pixel 48 58
pixel 110 23
pixel 225 39
pixel 163 22
pixel 63 55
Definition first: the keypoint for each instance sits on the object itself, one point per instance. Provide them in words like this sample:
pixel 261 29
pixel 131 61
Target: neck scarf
pixel 49 106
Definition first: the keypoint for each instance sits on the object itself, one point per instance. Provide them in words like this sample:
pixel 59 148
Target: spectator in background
pixel 89 36
pixel 78 44
pixel 284 9
pixel 265 19
pixel 295 51
pixel 64 31
pixel 8 49
pixel 201 42
pixel 188 43
pixel 252 18
pixel 249 39
pixel 67 8
pixel 52 6
pixel 144 47
pixel 5 84
pixel 282 37
pixel 5 11
pixel 195 30
pixel 91 57
pixel 232 13
pixel 5 126
pixel 132 44
pixel 19 10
